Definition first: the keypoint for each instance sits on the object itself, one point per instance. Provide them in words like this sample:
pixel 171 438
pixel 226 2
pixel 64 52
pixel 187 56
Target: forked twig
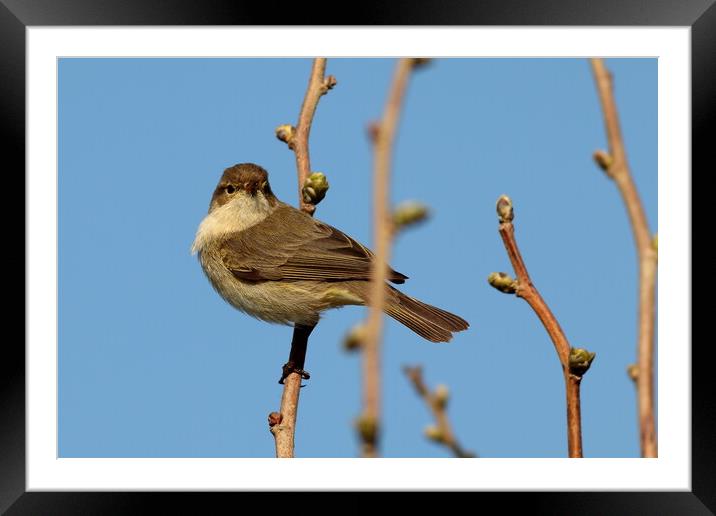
pixel 575 361
pixel 437 403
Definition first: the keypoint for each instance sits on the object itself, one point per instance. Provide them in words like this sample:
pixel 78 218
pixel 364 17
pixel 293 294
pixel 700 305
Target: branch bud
pixel 420 62
pixel 275 418
pixel 328 84
pixel 633 372
pixel 409 213
pixel 285 133
pixel 442 395
pixel 603 159
pixel 505 212
pixel 367 429
pixel 315 188
pixel 502 282
pixel 354 339
pixel 434 434
pixel 373 131
pixel 579 361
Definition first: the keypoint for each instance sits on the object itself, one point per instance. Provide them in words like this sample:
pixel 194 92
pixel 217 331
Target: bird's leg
pixel 297 357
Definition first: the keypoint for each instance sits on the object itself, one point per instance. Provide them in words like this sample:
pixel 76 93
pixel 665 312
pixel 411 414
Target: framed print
pixel 147 134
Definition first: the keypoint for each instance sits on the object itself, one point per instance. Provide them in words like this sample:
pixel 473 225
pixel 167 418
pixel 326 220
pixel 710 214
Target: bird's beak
pixel 251 187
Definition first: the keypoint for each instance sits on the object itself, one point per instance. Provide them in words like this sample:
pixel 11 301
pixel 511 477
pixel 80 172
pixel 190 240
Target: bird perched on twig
pixel 276 263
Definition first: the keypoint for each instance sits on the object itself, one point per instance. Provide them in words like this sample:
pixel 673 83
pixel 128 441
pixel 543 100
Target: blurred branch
pixel 437 402
pixel 383 135
pixel 616 167
pixel 311 189
pixel 575 362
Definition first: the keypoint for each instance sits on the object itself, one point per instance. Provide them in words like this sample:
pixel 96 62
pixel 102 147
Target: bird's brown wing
pixel 290 245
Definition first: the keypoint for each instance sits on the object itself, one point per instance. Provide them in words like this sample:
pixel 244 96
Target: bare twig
pixel 616 166
pixel 311 189
pixel 383 137
pixel 575 362
pixel 437 402
pixel 283 423
pixel 297 137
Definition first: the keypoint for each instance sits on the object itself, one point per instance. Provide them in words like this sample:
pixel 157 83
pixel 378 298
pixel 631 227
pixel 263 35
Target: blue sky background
pixel 153 363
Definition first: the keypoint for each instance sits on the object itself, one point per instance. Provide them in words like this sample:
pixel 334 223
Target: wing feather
pixel 290 245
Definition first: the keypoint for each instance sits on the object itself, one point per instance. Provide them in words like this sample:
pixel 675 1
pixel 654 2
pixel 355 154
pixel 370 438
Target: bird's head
pixel 242 182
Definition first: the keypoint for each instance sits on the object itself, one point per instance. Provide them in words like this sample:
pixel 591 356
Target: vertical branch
pixel 297 137
pixel 384 136
pixel 617 168
pixel 575 361
pixel 283 424
pixel 311 189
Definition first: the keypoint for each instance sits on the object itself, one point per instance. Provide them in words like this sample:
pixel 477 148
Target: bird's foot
pixel 289 368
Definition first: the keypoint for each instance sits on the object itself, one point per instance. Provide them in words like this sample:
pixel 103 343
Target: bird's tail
pixel 430 322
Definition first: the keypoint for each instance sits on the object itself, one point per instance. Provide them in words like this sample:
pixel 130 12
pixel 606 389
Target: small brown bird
pixel 276 263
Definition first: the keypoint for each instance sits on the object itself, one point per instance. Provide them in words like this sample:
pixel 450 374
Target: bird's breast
pixel 241 213
pixel 272 301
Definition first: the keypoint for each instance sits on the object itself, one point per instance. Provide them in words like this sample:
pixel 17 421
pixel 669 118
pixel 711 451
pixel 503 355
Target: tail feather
pixel 430 322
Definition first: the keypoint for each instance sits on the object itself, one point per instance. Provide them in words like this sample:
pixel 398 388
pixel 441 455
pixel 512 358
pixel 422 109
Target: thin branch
pixel 575 362
pixel 283 423
pixel 311 189
pixel 437 402
pixel 384 136
pixel 616 166
pixel 297 137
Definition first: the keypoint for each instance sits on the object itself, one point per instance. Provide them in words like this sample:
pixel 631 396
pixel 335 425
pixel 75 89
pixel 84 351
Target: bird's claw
pixel 289 368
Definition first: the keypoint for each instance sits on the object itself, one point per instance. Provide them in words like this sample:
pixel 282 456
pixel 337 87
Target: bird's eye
pixel 230 189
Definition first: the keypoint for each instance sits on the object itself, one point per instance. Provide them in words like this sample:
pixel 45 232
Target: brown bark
pixel 617 168
pixel 297 140
pixel 318 85
pixel 526 290
pixel 384 136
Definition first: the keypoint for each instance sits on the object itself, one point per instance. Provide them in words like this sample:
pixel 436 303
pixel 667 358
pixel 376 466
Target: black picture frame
pixel 16 15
